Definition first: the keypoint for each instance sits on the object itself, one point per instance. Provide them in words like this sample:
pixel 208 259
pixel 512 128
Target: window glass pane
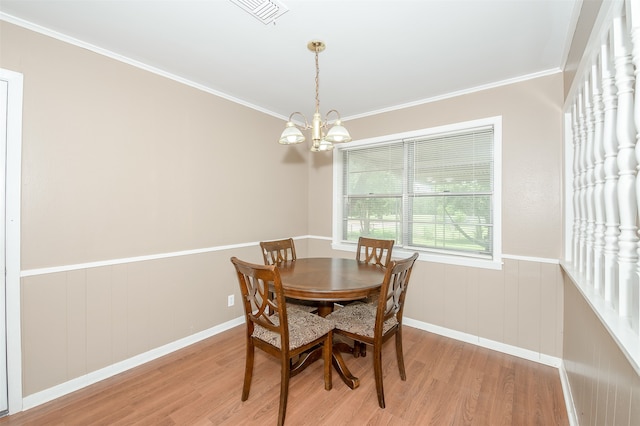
pixel 376 170
pixel 453 163
pixel 375 217
pixel 452 223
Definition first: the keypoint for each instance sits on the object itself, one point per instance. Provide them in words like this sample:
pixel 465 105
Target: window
pixel 435 191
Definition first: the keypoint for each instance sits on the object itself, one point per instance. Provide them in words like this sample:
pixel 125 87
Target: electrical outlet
pixel 230 300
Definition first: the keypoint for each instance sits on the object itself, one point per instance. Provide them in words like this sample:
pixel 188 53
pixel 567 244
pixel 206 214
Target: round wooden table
pixel 328 280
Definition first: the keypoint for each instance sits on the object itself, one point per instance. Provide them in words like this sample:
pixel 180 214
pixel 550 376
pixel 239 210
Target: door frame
pixel 12 237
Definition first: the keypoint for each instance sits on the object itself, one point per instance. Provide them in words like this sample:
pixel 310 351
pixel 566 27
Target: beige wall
pixel 78 322
pixel 517 310
pixel 119 162
pixel 588 15
pixel 531 158
pixel 604 386
pixel 521 305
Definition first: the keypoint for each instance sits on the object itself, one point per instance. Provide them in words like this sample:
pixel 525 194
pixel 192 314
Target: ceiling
pixel 380 55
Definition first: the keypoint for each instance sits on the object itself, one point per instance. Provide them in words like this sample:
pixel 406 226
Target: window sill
pixel 398 252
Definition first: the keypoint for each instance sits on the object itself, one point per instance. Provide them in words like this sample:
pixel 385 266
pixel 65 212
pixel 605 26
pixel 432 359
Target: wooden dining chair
pixel 374 324
pixel 278 251
pixel 276 330
pixel 376 251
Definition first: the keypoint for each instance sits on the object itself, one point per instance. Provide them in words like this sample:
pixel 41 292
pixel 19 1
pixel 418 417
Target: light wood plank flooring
pixel 448 383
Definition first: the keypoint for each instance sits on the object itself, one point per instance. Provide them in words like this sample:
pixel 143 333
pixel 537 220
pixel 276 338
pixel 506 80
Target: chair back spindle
pixel 278 251
pixel 371 250
pixel 394 287
pixel 261 303
pixel 275 253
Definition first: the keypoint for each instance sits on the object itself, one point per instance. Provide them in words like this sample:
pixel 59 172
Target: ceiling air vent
pixel 263 10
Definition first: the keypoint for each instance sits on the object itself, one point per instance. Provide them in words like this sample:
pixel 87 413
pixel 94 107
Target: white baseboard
pixel 510 350
pixel 119 367
pixel 486 343
pixel 96 376
pixel 568 397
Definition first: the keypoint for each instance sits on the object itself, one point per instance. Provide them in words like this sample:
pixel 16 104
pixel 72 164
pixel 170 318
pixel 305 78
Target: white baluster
pixel 628 240
pixel 589 181
pixel 610 142
pixel 582 132
pixel 634 18
pixel 598 181
pixel 576 187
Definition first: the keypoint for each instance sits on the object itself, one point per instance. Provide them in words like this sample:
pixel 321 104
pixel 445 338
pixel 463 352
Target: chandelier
pixel 320 141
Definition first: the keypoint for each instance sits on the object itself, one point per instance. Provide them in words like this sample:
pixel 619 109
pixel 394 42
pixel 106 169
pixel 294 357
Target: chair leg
pixel 327 354
pixel 363 349
pixel 400 354
pixel 377 370
pixel 359 349
pixel 248 369
pixel 284 389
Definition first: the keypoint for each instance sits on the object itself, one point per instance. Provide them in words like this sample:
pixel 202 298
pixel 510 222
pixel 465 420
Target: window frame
pixel 495 261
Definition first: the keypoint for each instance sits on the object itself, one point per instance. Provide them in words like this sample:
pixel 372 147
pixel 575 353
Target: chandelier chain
pixel 317 82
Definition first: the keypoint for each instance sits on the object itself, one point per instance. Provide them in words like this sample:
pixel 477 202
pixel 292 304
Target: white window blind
pixel 433 192
pixel 373 190
pixel 450 191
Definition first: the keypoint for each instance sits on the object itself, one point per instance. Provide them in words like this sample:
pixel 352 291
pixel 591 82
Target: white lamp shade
pixel 323 145
pixel 338 134
pixel 291 135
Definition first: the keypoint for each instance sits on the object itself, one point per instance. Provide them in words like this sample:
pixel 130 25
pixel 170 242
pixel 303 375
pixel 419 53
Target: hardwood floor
pixel 448 383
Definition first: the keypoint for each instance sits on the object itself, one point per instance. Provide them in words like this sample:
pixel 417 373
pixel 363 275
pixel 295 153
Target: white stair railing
pixel 604 105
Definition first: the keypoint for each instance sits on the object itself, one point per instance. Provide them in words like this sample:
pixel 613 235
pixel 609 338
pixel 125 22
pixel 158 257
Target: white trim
pixel 75 267
pixel 494 263
pixel 399 252
pixel 458 93
pixel 531 259
pixel 62 37
pixel 110 371
pixel 104 52
pixel 571 29
pixel 121 261
pixel 618 327
pixel 341 247
pixel 12 237
pixel 485 343
pixel 507 349
pixel 568 396
pixel 114 369
pixel 316 237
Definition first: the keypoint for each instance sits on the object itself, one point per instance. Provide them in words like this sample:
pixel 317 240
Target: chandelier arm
pixel 326 122
pixel 306 123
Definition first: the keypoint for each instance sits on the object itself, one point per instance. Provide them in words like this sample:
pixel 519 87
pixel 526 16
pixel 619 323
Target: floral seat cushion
pixel 359 318
pixel 303 328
